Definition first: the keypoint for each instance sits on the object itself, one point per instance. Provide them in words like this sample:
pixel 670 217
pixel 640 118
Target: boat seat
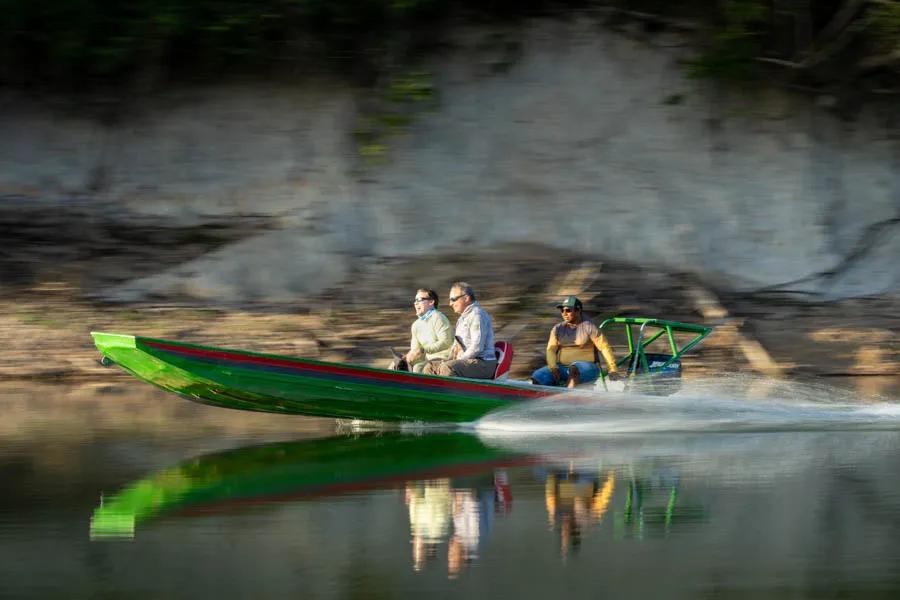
pixel 504 352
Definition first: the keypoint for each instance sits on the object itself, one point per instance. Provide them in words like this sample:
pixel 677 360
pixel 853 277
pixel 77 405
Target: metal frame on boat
pixel 653 372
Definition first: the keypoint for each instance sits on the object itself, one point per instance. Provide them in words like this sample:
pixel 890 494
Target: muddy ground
pixel 54 266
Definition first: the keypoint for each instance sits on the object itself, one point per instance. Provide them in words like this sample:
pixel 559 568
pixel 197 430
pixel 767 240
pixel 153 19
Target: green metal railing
pixel 648 331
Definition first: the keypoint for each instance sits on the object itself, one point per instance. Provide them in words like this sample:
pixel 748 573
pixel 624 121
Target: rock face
pixel 560 133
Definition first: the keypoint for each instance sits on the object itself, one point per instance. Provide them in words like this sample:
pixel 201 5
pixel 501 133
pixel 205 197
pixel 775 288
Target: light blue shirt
pixel 475 329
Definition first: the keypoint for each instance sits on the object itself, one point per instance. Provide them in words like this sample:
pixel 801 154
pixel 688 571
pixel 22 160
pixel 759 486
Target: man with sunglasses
pixel 572 350
pixel 431 334
pixel 473 354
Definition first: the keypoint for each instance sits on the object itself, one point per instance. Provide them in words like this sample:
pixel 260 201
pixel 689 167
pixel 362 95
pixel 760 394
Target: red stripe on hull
pixel 388 482
pixel 393 377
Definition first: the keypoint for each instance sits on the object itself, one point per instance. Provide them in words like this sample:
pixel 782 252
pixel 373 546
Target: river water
pixel 734 488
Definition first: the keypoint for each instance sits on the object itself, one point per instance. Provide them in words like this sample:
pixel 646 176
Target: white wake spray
pixel 736 403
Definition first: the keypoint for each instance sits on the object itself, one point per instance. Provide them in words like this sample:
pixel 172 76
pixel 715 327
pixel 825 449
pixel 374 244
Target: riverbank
pixel 47 324
pixel 276 217
pixel 542 134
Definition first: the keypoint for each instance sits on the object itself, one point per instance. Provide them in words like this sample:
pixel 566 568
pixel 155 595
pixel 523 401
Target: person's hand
pixel 454 351
pixel 555 372
pixel 613 376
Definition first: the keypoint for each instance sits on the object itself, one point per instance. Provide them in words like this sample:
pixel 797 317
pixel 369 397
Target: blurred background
pixel 282 175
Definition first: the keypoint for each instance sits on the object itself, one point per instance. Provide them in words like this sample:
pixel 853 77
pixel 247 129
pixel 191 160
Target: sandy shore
pixel 56 264
pixel 46 327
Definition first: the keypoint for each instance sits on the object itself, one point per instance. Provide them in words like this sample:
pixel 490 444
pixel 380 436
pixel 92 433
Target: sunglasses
pixel 425 299
pixel 455 298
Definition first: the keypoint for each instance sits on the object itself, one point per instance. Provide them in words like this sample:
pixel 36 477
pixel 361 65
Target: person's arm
pixel 415 349
pixel 552 350
pixel 605 350
pixel 442 335
pixel 553 355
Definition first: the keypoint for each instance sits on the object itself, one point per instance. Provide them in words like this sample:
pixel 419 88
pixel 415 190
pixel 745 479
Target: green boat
pixel 295 470
pixel 254 381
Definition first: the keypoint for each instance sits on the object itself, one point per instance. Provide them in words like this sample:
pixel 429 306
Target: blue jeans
pixel 587 372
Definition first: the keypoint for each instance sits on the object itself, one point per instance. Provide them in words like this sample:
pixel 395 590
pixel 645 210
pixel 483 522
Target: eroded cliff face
pixel 560 133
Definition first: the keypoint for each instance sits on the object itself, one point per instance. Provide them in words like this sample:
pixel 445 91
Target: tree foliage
pixel 83 43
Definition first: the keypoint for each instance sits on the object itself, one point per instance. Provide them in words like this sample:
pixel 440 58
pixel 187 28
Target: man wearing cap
pixel 571 350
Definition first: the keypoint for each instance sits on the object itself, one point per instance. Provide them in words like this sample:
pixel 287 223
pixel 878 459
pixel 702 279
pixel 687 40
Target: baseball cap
pixel 570 302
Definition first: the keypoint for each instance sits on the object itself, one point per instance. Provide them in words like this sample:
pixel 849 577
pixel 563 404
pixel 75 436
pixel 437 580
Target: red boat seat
pixel 504 351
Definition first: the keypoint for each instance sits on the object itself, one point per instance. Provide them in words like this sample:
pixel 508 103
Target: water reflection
pixel 574 501
pixel 430 504
pixel 449 497
pixel 460 516
pixel 323 467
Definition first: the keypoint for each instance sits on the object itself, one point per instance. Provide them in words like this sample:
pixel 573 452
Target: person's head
pixel 425 300
pixel 570 309
pixel 461 296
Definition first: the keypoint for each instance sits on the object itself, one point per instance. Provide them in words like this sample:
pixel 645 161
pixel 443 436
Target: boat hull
pixel 269 383
pixel 288 471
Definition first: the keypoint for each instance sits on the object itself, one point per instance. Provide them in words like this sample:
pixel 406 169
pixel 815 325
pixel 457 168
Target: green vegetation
pixel 733 41
pixel 885 19
pixel 78 42
pixel 846 47
pixel 86 44
pixel 393 112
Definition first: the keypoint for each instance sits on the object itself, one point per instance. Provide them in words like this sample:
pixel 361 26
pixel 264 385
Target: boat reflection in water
pixel 458 512
pixel 459 489
pixel 455 486
pixel 579 498
pixel 304 469
pixel 576 500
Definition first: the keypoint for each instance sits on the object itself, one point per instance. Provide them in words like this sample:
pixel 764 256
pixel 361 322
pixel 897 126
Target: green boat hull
pixel 281 384
pixel 263 382
pixel 295 470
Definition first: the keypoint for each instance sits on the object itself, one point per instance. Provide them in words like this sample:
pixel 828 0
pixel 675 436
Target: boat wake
pixel 735 403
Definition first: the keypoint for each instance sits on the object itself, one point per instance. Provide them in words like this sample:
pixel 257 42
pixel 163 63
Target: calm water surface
pixel 126 492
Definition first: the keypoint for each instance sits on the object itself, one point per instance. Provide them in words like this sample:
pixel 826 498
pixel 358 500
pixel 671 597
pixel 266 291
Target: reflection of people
pixel 431 336
pixel 472 355
pixel 435 505
pixel 502 492
pixel 572 348
pixel 573 502
pixel 463 546
pixel 430 506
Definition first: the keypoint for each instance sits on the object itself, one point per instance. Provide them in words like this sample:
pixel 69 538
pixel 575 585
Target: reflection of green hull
pixel 292 470
pixel 263 382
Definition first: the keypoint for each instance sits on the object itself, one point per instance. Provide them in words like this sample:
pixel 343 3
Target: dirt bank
pixel 47 312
